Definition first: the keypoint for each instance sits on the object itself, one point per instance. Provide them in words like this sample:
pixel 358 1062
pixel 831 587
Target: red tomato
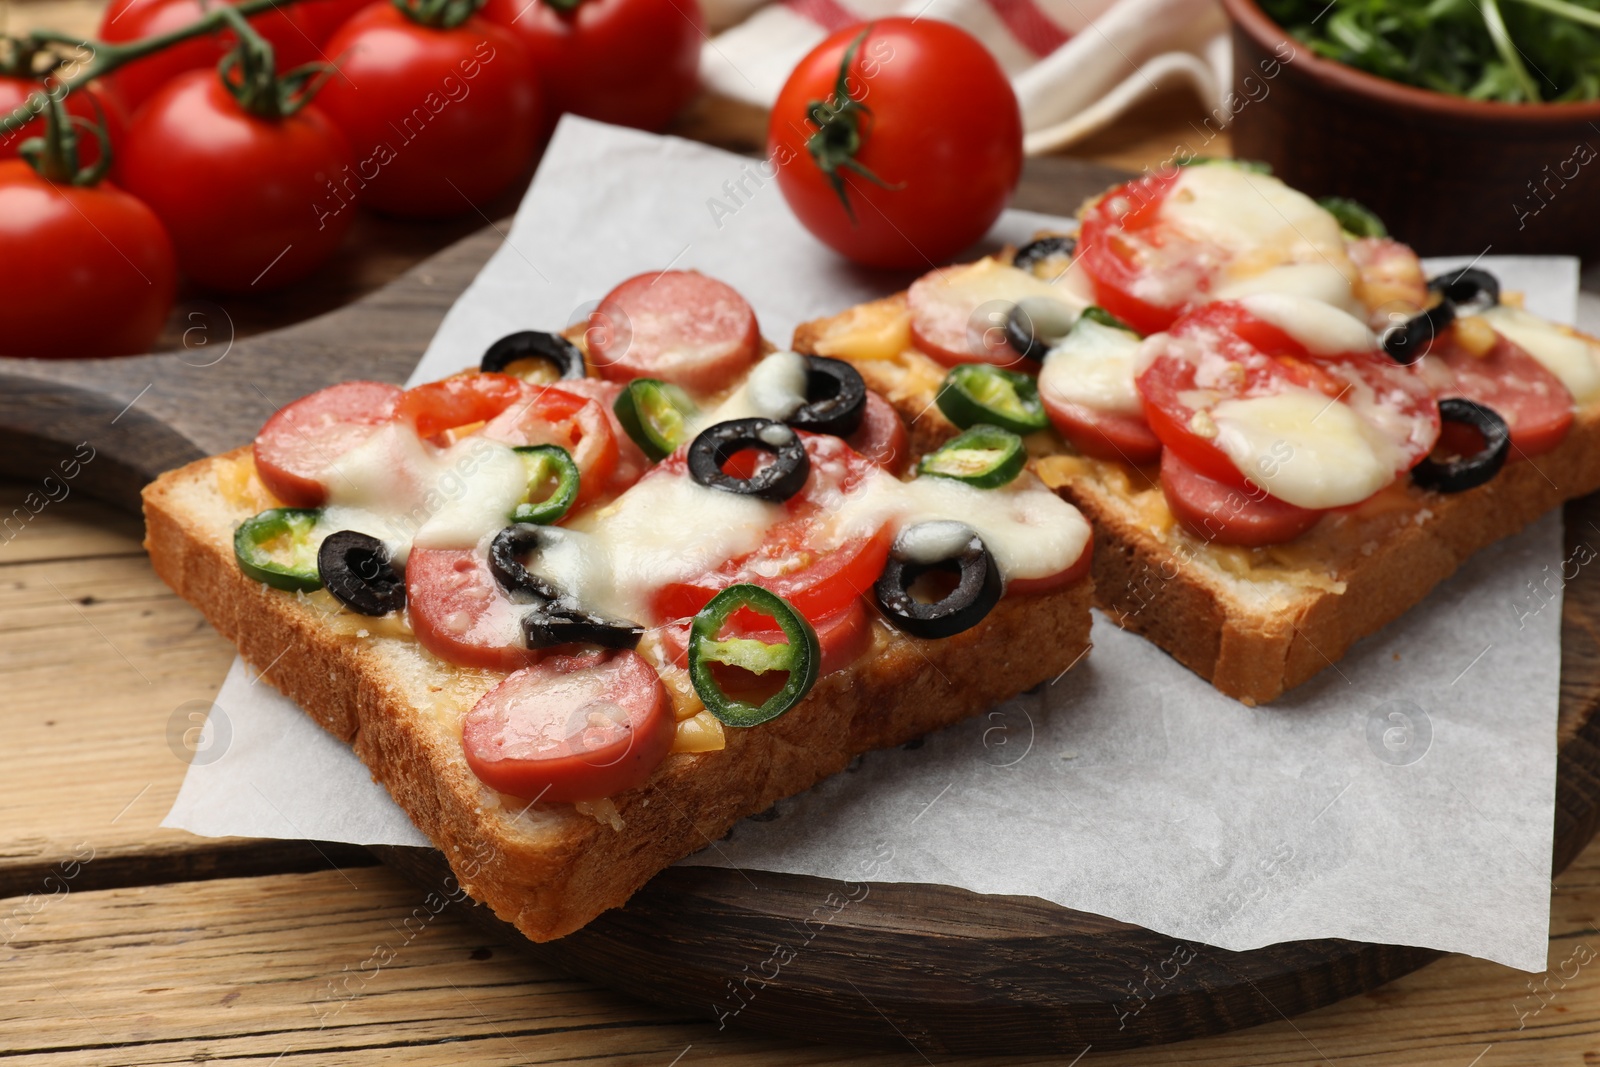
pixel 938 123
pixel 571 728
pixel 545 415
pixel 14 92
pixel 321 19
pixel 1225 514
pixel 239 194
pixel 435 407
pixel 298 443
pixel 88 271
pixel 1051 582
pixel 440 120
pixel 844 636
pixel 631 460
pixel 1535 404
pixel 816 579
pixel 626 62
pixel 460 613
pixel 1241 356
pixel 133 20
pixel 677 325
pixel 1101 434
pixel 881 437
pixel 1113 245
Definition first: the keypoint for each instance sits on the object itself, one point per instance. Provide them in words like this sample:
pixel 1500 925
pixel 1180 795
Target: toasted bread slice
pixel 550 868
pixel 1254 622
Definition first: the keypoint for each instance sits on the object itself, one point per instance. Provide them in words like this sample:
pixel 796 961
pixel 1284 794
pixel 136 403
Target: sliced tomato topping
pixel 845 636
pixel 1102 434
pixel 631 460
pixel 1051 582
pixel 1114 246
pixel 1221 352
pixel 817 578
pixel 547 415
pixel 578 727
pixel 463 400
pixel 679 326
pixel 1226 514
pixel 304 438
pixel 881 437
pixel 1535 404
pixel 460 613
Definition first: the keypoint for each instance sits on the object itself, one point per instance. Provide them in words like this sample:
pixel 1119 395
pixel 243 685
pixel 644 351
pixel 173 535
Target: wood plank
pixel 97 660
pixel 332 964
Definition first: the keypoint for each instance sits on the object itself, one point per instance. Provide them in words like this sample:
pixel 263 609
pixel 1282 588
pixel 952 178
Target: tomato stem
pixel 55 155
pixel 839 133
pixel 438 14
pixel 103 57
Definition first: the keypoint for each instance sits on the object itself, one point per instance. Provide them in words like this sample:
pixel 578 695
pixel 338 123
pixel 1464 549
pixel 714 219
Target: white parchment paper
pixel 1404 796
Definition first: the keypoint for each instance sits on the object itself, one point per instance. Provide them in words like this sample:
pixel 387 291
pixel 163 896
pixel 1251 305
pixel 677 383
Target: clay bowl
pixel 1447 175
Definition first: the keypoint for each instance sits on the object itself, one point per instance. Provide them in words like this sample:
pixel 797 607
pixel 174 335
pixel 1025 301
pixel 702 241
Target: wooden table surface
pixel 123 943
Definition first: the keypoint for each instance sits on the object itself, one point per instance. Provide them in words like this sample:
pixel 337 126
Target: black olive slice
pixel 1036 252
pixel 1410 341
pixel 836 398
pixel 549 625
pixel 356 569
pixel 554 349
pixel 1035 323
pixel 1467 472
pixel 777 481
pixel 977 591
pixel 505 561
pixel 1469 287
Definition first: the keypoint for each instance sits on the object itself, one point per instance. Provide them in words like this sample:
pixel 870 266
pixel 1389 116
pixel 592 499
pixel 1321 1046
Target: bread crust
pixel 550 869
pixel 1153 578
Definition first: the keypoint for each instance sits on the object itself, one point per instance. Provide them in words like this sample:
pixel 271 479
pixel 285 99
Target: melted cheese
pixel 1094 365
pixel 1565 354
pixel 1304 448
pixel 1323 330
pixel 1031 532
pixel 1313 281
pixel 989 280
pixel 775 389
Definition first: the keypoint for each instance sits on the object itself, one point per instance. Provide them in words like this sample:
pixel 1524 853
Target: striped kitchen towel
pixel 1076 64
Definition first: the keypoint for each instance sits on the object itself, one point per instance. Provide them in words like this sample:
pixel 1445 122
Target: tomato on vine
pixel 88 268
pixel 898 142
pixel 627 62
pixel 240 168
pixel 91 103
pixel 135 20
pixel 442 108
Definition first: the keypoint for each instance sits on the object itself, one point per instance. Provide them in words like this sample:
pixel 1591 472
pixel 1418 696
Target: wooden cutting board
pixel 932 967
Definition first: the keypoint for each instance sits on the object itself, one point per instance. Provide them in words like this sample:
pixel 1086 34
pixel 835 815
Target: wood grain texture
pixel 348 966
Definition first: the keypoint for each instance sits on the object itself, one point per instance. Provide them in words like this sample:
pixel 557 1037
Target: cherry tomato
pixel 1222 352
pixel 545 415
pixel 440 120
pixel 14 92
pixel 1535 404
pixel 626 62
pixel 818 579
pixel 677 325
pixel 1228 515
pixel 1110 241
pixel 938 125
pixel 299 443
pixel 881 437
pixel 435 407
pixel 88 271
pixel 1051 582
pixel 321 19
pixel 571 728
pixel 241 196
pixel 133 20
pixel 459 612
